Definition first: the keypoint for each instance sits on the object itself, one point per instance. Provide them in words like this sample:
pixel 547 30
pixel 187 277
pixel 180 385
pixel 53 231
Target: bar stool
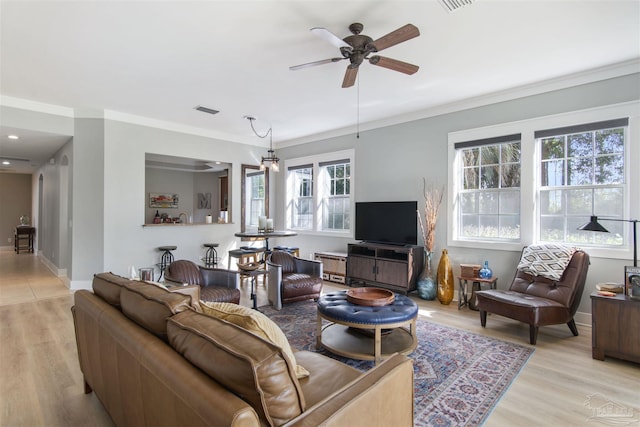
pixel 246 255
pixel 167 258
pixel 295 251
pixel 211 256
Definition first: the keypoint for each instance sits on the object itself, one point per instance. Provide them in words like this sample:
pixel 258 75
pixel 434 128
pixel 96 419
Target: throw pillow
pixel 255 322
pixel 546 260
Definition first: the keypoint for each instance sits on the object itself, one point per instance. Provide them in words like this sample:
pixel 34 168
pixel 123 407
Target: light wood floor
pixel 41 383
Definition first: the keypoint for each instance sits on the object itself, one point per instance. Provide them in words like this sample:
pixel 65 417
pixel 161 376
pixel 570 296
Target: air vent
pixel 207 110
pixel 453 5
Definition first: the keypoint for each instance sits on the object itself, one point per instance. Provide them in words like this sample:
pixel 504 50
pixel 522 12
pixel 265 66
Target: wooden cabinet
pixel 334 266
pixel 614 327
pixel 386 266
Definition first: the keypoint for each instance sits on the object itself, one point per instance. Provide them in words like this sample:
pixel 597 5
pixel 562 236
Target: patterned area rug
pixel 458 376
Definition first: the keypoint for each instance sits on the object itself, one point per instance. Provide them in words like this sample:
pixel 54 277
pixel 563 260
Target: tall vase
pixel 445 279
pixel 427 288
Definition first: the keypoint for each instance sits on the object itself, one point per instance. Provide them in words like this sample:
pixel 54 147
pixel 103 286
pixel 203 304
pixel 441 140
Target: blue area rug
pixel 458 376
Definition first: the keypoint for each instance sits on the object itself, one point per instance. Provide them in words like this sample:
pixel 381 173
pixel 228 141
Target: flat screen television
pixel 394 223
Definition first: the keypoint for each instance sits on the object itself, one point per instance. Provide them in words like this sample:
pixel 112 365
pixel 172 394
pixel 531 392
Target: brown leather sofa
pixel 292 279
pixel 216 284
pixel 152 360
pixel 537 300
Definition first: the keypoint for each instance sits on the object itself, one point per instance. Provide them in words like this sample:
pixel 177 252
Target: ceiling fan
pixel 358 47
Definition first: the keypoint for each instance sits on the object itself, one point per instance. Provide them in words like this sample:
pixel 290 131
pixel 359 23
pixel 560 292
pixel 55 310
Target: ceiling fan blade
pixel 313 64
pixel 400 35
pixel 350 77
pixel 393 64
pixel 327 35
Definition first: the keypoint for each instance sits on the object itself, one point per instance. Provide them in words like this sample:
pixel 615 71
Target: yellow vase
pixel 445 279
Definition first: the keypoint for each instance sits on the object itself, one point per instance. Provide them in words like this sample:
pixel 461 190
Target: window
pixel 302 197
pixel 336 187
pixel 538 180
pixel 581 174
pixel 489 198
pixel 256 202
pixel 319 197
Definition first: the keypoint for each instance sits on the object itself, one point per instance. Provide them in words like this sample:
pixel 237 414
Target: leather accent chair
pixel 539 301
pixel 292 279
pixel 216 284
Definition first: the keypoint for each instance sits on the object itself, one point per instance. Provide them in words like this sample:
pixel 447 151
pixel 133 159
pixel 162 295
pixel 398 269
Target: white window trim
pixel 530 164
pixel 315 160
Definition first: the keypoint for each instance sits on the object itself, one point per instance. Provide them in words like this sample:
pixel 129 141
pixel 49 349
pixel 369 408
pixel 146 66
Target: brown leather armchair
pixel 539 301
pixel 292 279
pixel 216 284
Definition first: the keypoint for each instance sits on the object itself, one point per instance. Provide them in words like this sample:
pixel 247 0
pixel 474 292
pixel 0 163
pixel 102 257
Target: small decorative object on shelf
pixel 262 223
pixel 24 220
pixel 485 272
pixel 445 279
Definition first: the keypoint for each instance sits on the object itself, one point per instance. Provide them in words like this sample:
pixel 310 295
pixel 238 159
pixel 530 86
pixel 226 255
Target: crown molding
pixel 562 82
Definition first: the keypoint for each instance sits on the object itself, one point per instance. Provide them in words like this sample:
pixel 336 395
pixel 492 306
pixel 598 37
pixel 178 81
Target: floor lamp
pixel 631 274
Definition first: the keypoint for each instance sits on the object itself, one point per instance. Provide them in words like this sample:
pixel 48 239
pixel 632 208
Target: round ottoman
pixel 365 332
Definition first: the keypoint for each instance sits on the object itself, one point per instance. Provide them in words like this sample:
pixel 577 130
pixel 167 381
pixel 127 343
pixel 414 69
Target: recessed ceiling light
pixel 6 162
pixel 13 137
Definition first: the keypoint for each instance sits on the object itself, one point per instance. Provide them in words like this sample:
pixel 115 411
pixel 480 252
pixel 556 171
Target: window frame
pixel 316 162
pixel 530 175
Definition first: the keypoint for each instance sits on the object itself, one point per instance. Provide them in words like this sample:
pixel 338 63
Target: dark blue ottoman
pixel 364 332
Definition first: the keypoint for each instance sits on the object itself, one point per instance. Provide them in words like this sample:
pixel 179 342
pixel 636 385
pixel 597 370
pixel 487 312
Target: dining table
pixel 265 235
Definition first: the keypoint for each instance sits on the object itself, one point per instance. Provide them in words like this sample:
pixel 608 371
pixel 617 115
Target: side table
pixel 613 332
pixel 476 284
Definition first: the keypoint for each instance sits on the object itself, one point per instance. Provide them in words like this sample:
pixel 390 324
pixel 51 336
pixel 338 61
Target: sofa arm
pixel 274 285
pixel 306 266
pixel 220 277
pixel 383 396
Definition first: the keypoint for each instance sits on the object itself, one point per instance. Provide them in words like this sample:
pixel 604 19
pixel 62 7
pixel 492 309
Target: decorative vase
pixel 485 272
pixel 445 279
pixel 427 288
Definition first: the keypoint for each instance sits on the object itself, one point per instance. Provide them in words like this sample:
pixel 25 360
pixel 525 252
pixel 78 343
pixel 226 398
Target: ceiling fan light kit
pixel 358 47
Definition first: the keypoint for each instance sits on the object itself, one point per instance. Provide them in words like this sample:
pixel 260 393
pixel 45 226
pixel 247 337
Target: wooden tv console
pixel 386 266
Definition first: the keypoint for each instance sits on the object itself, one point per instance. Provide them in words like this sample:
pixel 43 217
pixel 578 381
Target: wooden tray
pixel 370 296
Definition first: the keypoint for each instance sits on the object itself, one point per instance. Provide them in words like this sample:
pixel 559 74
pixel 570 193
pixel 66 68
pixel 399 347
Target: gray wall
pixel 107 178
pixel 392 161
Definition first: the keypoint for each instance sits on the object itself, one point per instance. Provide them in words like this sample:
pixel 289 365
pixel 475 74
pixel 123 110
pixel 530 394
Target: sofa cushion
pixel 256 322
pixel 150 306
pixel 107 286
pixel 251 367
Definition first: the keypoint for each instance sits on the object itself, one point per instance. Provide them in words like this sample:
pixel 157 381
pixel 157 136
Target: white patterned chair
pixel 546 289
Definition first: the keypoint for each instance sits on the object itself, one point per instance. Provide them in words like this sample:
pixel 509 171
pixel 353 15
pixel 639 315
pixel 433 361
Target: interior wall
pixel 392 161
pixel 126 241
pixel 15 193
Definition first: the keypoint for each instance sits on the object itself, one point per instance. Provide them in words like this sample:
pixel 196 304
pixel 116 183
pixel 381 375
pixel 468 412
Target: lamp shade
pixel 593 225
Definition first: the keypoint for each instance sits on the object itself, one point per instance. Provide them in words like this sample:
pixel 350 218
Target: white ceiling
pixel 160 59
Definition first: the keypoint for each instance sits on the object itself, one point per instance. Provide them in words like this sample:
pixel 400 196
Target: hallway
pixel 24 278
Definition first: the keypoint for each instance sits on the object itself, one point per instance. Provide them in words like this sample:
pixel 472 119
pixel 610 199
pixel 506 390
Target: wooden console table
pixel 614 322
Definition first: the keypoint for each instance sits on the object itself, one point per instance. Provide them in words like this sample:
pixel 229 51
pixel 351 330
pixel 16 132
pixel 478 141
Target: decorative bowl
pixel 370 296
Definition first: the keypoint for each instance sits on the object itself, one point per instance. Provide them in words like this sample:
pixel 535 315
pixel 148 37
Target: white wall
pixel 126 241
